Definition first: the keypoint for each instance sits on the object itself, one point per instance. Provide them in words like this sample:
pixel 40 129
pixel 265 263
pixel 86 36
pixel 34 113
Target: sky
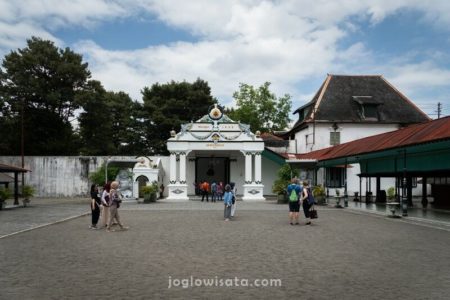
pixel 294 44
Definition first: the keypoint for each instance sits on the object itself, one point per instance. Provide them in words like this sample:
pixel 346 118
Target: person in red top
pixel 205 191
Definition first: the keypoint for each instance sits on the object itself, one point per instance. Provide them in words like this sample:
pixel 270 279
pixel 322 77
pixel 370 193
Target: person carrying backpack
pixel 294 191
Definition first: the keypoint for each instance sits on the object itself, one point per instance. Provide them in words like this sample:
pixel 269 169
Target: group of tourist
pixel 108 204
pixel 299 195
pixel 216 190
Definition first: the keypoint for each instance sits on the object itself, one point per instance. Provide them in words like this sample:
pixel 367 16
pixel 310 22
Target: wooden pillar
pixel 378 189
pixel 16 188
pixel 424 192
pixel 409 190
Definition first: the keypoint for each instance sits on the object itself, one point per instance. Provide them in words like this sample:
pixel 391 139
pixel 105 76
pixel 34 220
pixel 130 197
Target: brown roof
pixel 9 168
pixel 341 97
pixel 430 131
pixel 266 136
pixel 5 178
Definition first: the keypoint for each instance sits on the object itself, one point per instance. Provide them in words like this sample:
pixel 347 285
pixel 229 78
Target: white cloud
pixel 286 42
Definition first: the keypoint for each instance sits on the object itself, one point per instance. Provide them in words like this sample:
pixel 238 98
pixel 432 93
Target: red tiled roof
pixel 412 135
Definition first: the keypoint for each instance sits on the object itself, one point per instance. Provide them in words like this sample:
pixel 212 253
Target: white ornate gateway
pixel 215 148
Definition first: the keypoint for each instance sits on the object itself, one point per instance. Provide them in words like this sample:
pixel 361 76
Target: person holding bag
pixel 306 202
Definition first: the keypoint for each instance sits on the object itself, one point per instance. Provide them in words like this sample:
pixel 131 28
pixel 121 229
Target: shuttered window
pixel 335 138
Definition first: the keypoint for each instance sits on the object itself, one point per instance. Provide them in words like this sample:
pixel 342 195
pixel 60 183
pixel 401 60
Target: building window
pixel 335 177
pixel 335 138
pixel 370 111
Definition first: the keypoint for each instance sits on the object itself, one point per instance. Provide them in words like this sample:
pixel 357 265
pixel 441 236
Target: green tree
pixel 167 106
pixel 260 108
pixel 106 123
pixel 94 121
pixel 40 83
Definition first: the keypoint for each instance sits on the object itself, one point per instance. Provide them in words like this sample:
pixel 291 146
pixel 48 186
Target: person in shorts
pixel 294 191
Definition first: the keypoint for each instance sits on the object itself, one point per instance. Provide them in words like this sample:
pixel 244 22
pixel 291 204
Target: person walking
pixel 95 206
pixel 105 199
pixel 294 192
pixel 233 200
pixel 213 191
pixel 116 199
pixel 220 188
pixel 227 201
pixel 205 191
pixel 305 201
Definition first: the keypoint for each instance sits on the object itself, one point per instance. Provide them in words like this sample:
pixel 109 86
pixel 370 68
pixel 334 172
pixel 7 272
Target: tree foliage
pixel 98 177
pixel 167 106
pixel 260 108
pixel 107 122
pixel 40 83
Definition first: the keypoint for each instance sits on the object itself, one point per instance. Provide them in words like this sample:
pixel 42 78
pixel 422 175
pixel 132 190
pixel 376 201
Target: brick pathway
pixel 344 255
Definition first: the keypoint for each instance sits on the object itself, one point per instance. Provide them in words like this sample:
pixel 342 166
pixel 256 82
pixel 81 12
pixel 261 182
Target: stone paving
pixel 345 254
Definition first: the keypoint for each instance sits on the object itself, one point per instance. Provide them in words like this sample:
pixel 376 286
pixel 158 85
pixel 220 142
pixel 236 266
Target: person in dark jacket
pixel 95 206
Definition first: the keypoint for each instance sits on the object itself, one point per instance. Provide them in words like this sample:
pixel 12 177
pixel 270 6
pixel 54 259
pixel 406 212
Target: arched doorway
pixel 142 181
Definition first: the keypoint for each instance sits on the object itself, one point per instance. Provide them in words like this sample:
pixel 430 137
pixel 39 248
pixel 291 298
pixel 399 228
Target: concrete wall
pixel 59 176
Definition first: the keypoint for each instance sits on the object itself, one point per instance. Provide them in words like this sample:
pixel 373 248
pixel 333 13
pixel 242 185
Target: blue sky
pixel 293 44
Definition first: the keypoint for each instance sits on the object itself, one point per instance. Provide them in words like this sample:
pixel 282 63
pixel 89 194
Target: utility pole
pixel 439 109
pixel 22 148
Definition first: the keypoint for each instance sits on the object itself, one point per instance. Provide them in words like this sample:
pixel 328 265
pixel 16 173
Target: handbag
pixel 313 213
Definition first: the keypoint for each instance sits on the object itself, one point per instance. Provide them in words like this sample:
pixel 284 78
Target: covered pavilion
pixel 421 150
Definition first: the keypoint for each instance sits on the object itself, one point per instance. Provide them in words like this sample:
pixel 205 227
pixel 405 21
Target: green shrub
pixel 285 173
pixel 318 191
pixel 28 191
pixel 391 193
pixel 5 194
pixel 98 177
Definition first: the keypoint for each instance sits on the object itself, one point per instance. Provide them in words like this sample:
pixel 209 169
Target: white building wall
pixel 237 172
pixel 316 137
pixel 269 174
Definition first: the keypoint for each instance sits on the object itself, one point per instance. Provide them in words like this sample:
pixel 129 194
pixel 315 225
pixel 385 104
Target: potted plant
pixel 28 192
pixel 150 192
pixel 338 192
pixel 5 194
pixel 319 194
pixel 391 193
pixel 279 188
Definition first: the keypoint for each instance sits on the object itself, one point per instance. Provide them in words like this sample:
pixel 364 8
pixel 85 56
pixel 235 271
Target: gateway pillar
pixel 177 187
pixel 253 187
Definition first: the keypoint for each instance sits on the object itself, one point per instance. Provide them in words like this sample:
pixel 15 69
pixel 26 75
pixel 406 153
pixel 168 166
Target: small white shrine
pixel 215 149
pixel 145 172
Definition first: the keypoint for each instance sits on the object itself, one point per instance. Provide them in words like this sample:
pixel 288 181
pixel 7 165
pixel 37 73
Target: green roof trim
pixel 416 158
pixel 273 156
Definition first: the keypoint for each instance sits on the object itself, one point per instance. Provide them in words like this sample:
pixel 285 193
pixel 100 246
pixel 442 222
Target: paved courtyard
pixel 172 248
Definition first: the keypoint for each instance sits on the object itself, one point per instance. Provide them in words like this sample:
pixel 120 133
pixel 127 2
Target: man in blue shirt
pixel 294 191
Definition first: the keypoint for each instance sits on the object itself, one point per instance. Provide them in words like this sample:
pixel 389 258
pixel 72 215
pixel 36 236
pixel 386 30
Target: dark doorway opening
pixel 212 169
